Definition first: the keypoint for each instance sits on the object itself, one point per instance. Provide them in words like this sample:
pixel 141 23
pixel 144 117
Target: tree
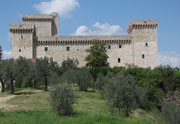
pixel 119 91
pixel 97 55
pixel 9 73
pixel 45 67
pixel 2 78
pixel 69 64
pixel 23 67
pixel 84 78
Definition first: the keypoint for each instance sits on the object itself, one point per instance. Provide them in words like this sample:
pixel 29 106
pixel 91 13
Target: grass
pixel 33 108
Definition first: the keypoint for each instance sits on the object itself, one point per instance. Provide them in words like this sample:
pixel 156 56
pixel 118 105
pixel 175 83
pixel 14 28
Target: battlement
pixel 86 38
pixel 21 27
pixel 142 24
pixel 45 17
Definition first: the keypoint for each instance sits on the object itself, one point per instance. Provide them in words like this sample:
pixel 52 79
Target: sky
pixel 100 17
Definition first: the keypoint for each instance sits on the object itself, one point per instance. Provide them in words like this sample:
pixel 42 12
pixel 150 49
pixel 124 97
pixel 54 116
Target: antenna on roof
pixel 54 14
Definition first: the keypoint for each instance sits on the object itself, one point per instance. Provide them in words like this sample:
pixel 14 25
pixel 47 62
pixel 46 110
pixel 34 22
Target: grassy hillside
pixel 32 107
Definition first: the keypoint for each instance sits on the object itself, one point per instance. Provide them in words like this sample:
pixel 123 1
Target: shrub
pixel 62 98
pixel 84 78
pixel 141 97
pixel 120 93
pixel 171 112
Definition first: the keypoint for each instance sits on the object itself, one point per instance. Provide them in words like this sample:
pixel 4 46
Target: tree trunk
pixel 46 84
pixel 34 84
pixel 3 87
pixel 11 88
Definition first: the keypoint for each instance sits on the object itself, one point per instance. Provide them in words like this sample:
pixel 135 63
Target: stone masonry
pixel 37 36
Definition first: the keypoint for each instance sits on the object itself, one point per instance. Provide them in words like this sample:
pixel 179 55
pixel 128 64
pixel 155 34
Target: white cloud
pixel 99 29
pixel 62 7
pixel 169 58
pixel 6 54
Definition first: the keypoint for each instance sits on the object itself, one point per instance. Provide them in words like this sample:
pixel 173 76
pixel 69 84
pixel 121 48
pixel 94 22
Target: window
pixel 109 46
pixel 19 50
pixel 46 49
pixel 146 44
pixel 119 60
pixel 67 48
pixel 21 37
pixel 120 46
pixel 143 56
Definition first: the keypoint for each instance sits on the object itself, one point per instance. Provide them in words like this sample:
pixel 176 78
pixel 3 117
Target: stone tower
pixel 22 40
pixel 24 35
pixel 144 42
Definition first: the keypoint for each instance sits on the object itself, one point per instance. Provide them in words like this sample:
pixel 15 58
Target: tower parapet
pixel 142 24
pixel 45 25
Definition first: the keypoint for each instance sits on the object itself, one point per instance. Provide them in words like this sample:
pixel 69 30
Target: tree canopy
pixel 97 55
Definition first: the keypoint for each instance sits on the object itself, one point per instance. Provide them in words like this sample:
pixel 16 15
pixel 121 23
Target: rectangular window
pixel 120 46
pixel 119 60
pixel 46 49
pixel 19 50
pixel 146 44
pixel 143 56
pixel 109 46
pixel 67 48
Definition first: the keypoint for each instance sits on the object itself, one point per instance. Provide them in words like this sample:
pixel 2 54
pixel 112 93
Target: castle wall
pixel 78 51
pixel 37 37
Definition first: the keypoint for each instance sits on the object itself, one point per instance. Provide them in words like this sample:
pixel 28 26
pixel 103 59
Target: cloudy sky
pixel 100 17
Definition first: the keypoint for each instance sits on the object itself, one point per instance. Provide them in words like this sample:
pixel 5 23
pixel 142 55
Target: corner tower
pixel 144 42
pixel 22 37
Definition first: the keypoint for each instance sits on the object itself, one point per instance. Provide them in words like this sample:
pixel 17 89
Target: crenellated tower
pixel 144 42
pixel 22 37
pixel 45 25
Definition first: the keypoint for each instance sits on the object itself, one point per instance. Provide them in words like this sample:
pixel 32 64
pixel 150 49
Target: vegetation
pixel 171 112
pixel 32 106
pixel 124 89
pixel 62 98
pixel 97 55
pixel 119 92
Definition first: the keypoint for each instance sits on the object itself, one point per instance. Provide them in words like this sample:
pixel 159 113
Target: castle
pixel 38 36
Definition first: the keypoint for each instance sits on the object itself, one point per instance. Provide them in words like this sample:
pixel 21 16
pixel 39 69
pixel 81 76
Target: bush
pixel 62 98
pixel 120 93
pixel 141 97
pixel 84 78
pixel 171 112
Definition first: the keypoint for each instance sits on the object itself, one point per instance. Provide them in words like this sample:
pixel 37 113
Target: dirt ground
pixel 3 104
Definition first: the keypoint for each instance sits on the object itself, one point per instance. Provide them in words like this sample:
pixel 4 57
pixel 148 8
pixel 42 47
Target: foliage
pixel 70 76
pixel 62 98
pixel 120 93
pixel 84 79
pixel 69 64
pixel 171 112
pixel 45 67
pixel 9 73
pixel 100 82
pixel 97 56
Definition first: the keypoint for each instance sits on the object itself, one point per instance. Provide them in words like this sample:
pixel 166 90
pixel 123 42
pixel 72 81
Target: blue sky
pixel 88 17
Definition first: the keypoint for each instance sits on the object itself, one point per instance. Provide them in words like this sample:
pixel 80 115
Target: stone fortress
pixel 38 36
